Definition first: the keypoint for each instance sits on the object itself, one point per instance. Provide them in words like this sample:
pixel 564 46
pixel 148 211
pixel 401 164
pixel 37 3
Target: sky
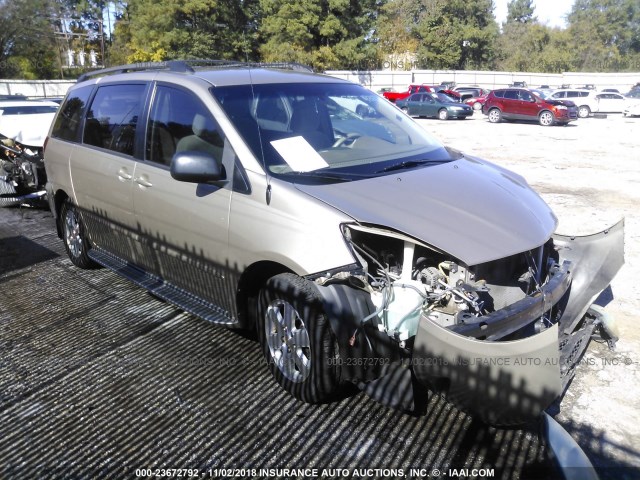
pixel 549 12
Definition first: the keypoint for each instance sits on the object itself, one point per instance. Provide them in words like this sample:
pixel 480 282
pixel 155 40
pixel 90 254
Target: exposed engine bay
pixel 22 171
pixel 407 279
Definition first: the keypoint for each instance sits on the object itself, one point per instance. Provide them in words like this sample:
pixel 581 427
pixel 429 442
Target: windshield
pixel 325 128
pixel 444 98
pixel 539 94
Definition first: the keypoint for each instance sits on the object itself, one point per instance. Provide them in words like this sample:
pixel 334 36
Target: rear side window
pixel 67 123
pixel 113 116
pixel 511 94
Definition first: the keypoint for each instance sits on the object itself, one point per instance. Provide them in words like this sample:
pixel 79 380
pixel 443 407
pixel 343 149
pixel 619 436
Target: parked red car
pixel 523 104
pixel 413 88
pixel 476 102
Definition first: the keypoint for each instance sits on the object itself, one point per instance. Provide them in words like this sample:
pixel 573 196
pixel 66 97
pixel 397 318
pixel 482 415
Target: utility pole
pixel 102 38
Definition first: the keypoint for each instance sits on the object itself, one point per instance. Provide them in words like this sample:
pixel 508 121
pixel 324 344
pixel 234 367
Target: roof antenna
pixel 264 163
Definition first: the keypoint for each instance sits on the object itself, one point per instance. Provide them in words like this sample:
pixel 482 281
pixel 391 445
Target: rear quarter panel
pixel 56 162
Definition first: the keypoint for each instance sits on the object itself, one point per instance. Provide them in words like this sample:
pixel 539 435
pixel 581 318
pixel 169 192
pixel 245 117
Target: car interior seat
pixel 310 119
pixel 205 138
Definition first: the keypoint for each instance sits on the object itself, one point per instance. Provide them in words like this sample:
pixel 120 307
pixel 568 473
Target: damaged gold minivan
pixel 361 249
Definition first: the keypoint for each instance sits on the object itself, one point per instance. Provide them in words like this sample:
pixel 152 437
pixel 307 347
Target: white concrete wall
pixel 398 80
pixel 35 88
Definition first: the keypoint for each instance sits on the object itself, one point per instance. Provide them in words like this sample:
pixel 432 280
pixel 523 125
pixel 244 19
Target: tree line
pixel 600 35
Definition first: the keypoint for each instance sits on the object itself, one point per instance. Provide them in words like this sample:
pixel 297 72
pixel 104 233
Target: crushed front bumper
pixel 511 382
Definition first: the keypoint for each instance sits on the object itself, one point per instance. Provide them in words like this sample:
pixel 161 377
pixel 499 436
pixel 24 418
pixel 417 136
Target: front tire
pixel 546 118
pixel 443 114
pixel 7 188
pixel 495 115
pixel 297 340
pixel 74 236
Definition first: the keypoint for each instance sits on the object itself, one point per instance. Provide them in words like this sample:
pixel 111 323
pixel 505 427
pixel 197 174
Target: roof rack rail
pixel 241 64
pixel 186 66
pixel 173 65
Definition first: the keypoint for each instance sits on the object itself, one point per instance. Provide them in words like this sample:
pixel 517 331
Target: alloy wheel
pixel 72 233
pixel 494 116
pixel 288 340
pixel 546 119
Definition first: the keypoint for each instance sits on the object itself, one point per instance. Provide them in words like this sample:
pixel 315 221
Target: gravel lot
pixel 589 173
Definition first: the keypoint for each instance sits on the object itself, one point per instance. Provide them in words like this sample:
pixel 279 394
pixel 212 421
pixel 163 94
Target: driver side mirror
pixel 196 167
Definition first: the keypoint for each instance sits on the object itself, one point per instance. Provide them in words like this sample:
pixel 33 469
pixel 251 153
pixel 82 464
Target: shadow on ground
pixel 98 378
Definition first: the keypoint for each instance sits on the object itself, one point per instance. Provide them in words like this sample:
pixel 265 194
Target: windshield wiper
pixel 322 174
pixel 408 164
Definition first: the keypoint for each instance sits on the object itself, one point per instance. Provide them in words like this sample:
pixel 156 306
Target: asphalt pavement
pixel 99 379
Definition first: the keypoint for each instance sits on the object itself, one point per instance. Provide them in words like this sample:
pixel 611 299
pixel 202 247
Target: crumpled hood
pixel 566 103
pixel 30 130
pixel 472 209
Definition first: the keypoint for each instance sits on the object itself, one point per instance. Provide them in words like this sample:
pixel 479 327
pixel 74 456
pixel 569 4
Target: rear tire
pixel 76 242
pixel 495 115
pixel 443 114
pixel 296 338
pixel 584 111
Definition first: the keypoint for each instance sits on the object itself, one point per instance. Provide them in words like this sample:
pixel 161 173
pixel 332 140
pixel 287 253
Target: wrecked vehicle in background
pixel 23 128
pixel 360 248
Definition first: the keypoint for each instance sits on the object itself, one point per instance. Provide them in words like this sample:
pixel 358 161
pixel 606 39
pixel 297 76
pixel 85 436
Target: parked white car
pixel 23 128
pixel 27 121
pixel 591 101
pixel 632 110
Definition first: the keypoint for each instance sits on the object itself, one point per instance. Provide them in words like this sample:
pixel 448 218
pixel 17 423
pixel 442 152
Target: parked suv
pixel 470 92
pixel 590 101
pixel 313 210
pixel 523 104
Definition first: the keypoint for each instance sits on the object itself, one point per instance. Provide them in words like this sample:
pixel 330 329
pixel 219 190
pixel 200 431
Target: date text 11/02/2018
pixel 311 472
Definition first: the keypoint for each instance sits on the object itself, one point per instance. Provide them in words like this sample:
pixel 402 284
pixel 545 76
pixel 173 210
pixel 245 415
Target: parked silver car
pixel 360 248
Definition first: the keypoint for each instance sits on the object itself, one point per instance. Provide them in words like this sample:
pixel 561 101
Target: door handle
pixel 142 181
pixel 123 174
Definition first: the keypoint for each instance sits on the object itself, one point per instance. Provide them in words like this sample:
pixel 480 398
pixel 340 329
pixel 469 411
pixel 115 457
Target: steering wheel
pixel 350 137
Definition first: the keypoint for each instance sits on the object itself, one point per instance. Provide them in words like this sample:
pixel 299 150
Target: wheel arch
pixel 58 199
pixel 251 281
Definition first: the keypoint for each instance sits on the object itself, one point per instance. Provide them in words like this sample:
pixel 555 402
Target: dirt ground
pixel 589 173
